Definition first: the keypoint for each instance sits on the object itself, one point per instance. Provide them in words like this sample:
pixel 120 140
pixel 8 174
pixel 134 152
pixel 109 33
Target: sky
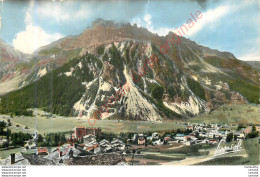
pixel 225 25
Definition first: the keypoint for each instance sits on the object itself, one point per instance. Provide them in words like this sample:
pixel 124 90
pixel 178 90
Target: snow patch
pixel 80 65
pixel 218 87
pixel 207 81
pixel 41 72
pixel 152 81
pixel 70 72
pixel 194 77
pixel 137 104
pixel 193 106
pixel 148 50
pixel 79 106
pixel 105 86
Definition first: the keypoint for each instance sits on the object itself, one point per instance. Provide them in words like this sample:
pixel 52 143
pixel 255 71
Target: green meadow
pixel 231 114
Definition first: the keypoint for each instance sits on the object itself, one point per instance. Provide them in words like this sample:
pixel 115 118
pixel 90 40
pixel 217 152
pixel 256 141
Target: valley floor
pixel 53 125
pixel 227 114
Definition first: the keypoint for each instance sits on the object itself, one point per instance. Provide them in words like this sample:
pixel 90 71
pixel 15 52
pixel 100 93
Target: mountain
pixel 10 59
pixel 18 69
pixel 254 64
pixel 83 71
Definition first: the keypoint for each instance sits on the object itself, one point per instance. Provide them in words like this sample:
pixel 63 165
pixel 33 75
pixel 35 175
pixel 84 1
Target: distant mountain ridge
pixel 254 64
pixel 76 74
pixel 10 59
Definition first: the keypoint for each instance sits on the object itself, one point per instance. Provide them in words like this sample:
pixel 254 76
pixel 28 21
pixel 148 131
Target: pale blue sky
pixel 230 25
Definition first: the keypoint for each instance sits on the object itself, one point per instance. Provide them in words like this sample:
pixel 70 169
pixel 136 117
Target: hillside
pixel 10 59
pixel 231 114
pixel 77 74
pixel 254 64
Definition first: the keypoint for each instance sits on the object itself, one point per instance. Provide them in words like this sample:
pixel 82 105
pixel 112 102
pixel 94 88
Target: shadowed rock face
pixel 103 159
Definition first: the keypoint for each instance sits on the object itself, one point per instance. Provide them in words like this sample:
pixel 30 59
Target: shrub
pixel 100 50
pixel 229 137
pixel 252 135
pixel 196 88
pixel 157 92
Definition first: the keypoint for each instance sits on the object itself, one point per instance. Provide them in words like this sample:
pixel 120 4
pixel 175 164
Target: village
pixel 91 146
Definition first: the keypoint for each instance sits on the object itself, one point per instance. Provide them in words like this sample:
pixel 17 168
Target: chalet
pixel 157 142
pixel 186 138
pixel 180 136
pixel 117 144
pixel 203 134
pixel 167 138
pixel 91 148
pixel 42 151
pixel 134 137
pixel 190 128
pixel 247 130
pixel 93 131
pixel 81 146
pixel 214 125
pixel 89 139
pixel 221 132
pixel 155 136
pixel 213 141
pixel 141 139
pixel 193 137
pixel 30 145
pixel 189 143
pixel 105 146
pixel 79 132
pixel 241 136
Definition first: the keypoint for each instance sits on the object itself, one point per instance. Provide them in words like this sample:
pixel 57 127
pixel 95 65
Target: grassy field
pixel 231 114
pixel 248 156
pixel 235 160
pixel 253 150
pixel 6 153
pixel 51 125
pixel 162 156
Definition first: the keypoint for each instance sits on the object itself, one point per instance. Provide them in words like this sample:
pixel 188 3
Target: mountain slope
pixel 10 59
pixel 254 64
pixel 189 80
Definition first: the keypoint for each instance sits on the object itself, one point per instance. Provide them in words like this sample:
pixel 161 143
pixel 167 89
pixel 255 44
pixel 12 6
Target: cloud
pixel 147 23
pixel 212 17
pixel 208 19
pixel 33 36
pixel 250 57
pixel 52 11
pixel 59 11
pixel 253 54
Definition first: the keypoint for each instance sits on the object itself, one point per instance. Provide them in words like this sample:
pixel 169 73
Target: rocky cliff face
pixel 192 79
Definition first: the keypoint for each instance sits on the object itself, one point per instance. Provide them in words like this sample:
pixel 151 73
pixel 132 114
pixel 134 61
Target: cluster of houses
pixel 196 134
pixel 87 137
pixel 88 144
pixel 211 133
pixel 199 134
